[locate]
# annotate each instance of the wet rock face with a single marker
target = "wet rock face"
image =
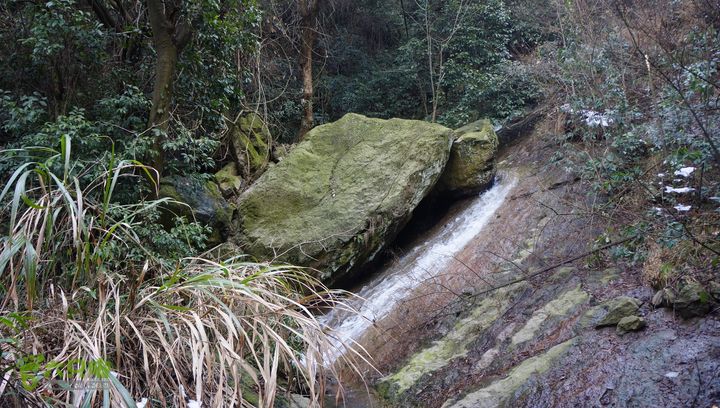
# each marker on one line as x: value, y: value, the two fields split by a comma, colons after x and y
x: 471, y: 167
x: 339, y: 196
x: 452, y: 346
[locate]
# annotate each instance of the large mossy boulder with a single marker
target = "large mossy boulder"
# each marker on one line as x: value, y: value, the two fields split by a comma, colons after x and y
x: 198, y: 200
x: 343, y: 193
x: 251, y: 141
x: 471, y: 167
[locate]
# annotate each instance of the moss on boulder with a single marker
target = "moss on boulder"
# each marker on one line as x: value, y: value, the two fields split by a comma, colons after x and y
x: 471, y: 167
x: 343, y: 193
x: 251, y: 140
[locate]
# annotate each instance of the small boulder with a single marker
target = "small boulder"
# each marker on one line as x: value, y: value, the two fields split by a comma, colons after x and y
x: 197, y: 199
x: 630, y: 323
x: 471, y: 167
x: 613, y: 310
x: 228, y: 180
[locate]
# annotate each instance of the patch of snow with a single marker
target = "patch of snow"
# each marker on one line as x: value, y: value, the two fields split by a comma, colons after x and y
x: 658, y: 210
x: 672, y: 374
x: 681, y: 190
x: 661, y: 174
x: 716, y: 199
x: 685, y: 171
x: 141, y: 403
x: 594, y: 119
x: 683, y: 208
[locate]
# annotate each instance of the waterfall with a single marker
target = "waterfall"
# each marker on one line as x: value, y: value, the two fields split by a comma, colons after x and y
x: 392, y: 285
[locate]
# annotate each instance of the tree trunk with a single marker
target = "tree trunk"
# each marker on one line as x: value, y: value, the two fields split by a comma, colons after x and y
x: 308, y: 13
x: 170, y: 35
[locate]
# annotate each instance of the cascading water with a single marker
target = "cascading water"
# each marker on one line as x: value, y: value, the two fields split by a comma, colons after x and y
x: 392, y: 285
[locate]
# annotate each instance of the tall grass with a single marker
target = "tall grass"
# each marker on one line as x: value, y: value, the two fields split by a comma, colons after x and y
x: 84, y: 326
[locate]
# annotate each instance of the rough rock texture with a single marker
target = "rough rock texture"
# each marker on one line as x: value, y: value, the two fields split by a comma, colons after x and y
x: 250, y: 139
x: 202, y: 201
x: 455, y: 344
x: 471, y: 167
x: 499, y: 392
x: 343, y: 193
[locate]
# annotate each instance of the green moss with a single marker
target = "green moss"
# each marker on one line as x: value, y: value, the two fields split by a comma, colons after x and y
x: 558, y: 307
x: 499, y: 392
x: 251, y: 138
x: 455, y: 344
x: 610, y: 312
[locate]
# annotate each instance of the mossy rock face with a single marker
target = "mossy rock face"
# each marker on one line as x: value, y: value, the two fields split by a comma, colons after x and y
x: 251, y: 139
x: 200, y: 200
x: 454, y: 345
x: 501, y: 392
x: 343, y: 193
x: 471, y: 167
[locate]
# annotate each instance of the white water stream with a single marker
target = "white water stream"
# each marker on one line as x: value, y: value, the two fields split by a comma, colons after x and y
x: 393, y: 284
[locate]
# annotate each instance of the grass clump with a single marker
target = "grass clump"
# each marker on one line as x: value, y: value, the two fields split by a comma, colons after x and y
x: 101, y: 307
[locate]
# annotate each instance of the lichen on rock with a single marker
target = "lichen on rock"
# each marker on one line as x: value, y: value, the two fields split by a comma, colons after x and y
x: 557, y: 307
x: 609, y: 313
x: 198, y: 200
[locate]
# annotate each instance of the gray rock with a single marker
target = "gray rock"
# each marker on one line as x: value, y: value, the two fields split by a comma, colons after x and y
x: 691, y: 300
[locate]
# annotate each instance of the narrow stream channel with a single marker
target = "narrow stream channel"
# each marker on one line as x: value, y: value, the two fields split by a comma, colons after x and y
x: 391, y: 285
